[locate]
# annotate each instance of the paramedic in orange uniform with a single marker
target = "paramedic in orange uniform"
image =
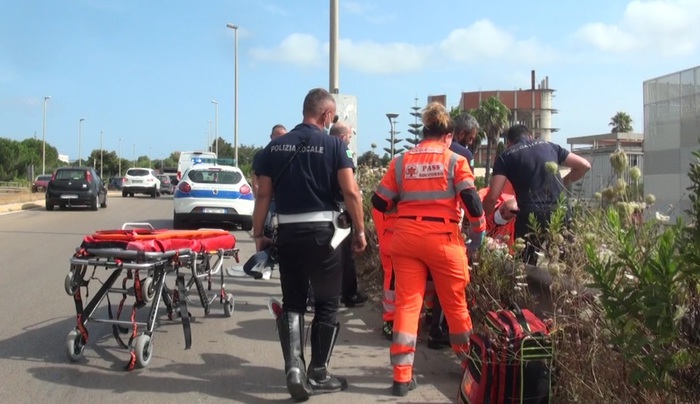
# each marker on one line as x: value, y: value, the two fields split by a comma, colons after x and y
x: 384, y: 224
x: 425, y: 184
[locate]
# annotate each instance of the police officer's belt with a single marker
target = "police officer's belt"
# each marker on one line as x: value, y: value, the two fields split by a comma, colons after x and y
x: 324, y: 216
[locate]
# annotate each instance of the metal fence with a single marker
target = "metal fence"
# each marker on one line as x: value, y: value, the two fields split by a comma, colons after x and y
x: 10, y: 187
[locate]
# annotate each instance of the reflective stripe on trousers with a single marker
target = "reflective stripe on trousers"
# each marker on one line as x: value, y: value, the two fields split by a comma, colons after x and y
x: 415, y: 248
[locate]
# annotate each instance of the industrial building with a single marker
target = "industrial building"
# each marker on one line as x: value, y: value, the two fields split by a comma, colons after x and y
x: 597, y: 149
x: 531, y: 107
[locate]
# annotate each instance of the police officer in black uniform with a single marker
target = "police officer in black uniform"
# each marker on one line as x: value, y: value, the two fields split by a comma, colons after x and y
x: 306, y: 169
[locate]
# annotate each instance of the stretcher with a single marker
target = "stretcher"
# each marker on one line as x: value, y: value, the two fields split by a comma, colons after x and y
x: 146, y: 257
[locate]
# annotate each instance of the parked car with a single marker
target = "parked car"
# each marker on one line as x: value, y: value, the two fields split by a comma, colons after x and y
x: 213, y: 194
x: 166, y: 187
x: 40, y: 183
x: 76, y: 186
x: 140, y: 181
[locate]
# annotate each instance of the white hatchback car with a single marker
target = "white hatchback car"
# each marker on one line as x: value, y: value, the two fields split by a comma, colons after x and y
x: 140, y: 181
x: 213, y: 194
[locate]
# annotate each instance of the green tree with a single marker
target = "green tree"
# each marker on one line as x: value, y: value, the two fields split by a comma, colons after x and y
x: 493, y: 117
x: 416, y: 127
x: 369, y: 159
x: 621, y: 122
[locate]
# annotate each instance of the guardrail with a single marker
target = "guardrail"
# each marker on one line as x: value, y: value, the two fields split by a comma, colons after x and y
x: 10, y: 187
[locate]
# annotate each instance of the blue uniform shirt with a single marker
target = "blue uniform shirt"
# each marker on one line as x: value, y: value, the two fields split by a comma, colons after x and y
x: 463, y: 151
x: 310, y: 182
x: 523, y: 163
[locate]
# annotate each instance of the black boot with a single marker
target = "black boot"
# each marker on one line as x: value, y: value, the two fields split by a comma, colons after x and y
x: 400, y: 389
x: 323, y: 337
x: 290, y: 326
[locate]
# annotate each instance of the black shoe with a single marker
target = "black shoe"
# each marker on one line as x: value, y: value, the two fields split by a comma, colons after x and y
x: 400, y: 389
x: 358, y: 299
x: 388, y: 330
x: 323, y: 338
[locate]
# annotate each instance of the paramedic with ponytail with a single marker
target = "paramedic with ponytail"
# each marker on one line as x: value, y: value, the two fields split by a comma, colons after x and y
x: 426, y: 184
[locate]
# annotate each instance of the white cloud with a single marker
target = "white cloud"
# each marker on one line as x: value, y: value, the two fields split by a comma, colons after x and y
x: 375, y: 58
x: 483, y: 40
x: 666, y: 26
x: 298, y: 49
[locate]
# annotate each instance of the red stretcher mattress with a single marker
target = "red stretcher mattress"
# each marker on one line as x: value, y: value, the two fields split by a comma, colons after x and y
x: 161, y: 240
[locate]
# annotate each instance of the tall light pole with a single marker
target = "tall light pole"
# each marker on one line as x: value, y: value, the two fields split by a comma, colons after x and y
x: 119, y: 157
x: 149, y: 156
x: 333, y: 48
x: 216, y: 126
x: 133, y: 152
x: 392, y: 122
x: 101, y: 165
x: 235, y: 92
x: 43, y: 147
x: 80, y: 140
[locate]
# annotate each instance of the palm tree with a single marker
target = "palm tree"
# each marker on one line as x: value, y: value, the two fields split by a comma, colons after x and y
x: 493, y: 117
x: 621, y: 122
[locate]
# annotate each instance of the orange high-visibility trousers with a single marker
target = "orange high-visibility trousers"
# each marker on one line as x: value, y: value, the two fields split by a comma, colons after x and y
x: 385, y: 230
x: 419, y: 247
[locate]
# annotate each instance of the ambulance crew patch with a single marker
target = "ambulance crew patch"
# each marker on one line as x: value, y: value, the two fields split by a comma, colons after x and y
x: 424, y: 171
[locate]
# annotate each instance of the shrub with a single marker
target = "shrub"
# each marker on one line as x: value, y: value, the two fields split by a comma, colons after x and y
x: 624, y: 294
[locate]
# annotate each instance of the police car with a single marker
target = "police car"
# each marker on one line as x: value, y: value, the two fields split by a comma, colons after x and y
x: 213, y: 194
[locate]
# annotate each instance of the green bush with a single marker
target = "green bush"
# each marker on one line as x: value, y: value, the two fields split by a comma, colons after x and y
x: 624, y: 296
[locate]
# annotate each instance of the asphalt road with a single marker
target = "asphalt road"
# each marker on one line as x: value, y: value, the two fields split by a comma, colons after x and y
x: 236, y: 359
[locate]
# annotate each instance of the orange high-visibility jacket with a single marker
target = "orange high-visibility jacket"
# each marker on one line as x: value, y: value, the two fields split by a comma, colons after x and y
x: 426, y: 181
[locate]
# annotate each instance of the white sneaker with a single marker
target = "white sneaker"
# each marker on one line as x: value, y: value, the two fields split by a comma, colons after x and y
x: 267, y: 273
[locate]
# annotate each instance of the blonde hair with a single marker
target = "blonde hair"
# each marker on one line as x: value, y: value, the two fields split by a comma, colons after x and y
x: 436, y: 120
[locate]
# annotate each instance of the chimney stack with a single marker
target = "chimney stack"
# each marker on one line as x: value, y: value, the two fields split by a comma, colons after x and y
x: 533, y: 79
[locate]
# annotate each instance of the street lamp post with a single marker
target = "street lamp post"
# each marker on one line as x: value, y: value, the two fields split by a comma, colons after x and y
x: 43, y: 147
x: 119, y: 157
x: 149, y: 156
x: 101, y: 159
x: 216, y: 126
x: 235, y: 92
x: 133, y: 154
x: 80, y: 140
x: 392, y: 122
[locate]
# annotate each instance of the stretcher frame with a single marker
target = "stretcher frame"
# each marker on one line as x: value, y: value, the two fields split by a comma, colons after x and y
x: 148, y: 271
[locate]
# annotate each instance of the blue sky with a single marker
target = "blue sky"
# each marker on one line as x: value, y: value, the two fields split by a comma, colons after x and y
x: 147, y: 71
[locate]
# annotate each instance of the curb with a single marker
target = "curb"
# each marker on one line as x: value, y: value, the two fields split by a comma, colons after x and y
x: 38, y: 204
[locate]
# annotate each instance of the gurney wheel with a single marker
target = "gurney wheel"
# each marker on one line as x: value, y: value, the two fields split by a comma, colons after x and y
x: 147, y: 290
x: 228, y: 305
x: 70, y: 285
x: 143, y: 349
x: 74, y: 345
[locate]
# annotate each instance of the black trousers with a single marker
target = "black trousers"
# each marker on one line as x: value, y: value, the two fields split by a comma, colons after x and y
x: 305, y: 257
x: 349, y: 269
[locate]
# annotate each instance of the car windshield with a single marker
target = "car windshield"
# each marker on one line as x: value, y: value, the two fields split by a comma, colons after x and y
x: 43, y: 178
x: 135, y: 172
x: 70, y: 175
x: 215, y: 177
x: 164, y: 179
